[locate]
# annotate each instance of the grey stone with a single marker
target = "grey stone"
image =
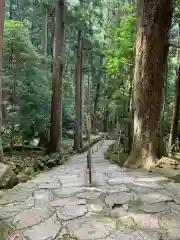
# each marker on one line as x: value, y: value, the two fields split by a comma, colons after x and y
x: 96, y: 205
x: 12, y: 209
x: 154, y: 197
x: 67, y: 201
x: 126, y: 220
x: 170, y: 220
x: 88, y: 195
x: 154, y: 208
x: 42, y: 195
x: 144, y: 185
x: 173, y: 187
x: 91, y: 228
x: 120, y: 198
x: 146, y: 221
x: 140, y: 220
x: 173, y: 234
x: 69, y: 212
x: 67, y: 192
x: 118, y: 212
x: 136, y: 235
x: 50, y: 185
x: 32, y: 217
x: 45, y: 230
x: 7, y: 177
x: 116, y: 181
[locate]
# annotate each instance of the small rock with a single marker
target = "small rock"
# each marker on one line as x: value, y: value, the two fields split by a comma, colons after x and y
x: 120, y: 198
x: 96, y: 205
x: 70, y: 212
x: 118, y: 212
x: 7, y: 177
x: 126, y: 207
x: 88, y: 195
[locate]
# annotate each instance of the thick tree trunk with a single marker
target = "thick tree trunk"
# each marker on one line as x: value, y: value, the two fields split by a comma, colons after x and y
x: 1, y: 71
x: 175, y: 118
x: 56, y: 105
x: 154, y: 21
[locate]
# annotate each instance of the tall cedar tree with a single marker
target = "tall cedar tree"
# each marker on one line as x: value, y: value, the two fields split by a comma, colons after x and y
x: 175, y: 117
x: 56, y: 105
x: 153, y: 25
x: 1, y: 70
x: 78, y: 131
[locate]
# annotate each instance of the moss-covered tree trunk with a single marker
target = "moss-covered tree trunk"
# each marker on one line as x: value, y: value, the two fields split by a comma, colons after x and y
x: 153, y: 25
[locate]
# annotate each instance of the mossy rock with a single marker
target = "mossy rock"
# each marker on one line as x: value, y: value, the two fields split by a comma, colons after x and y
x: 5, y: 230
x: 176, y: 178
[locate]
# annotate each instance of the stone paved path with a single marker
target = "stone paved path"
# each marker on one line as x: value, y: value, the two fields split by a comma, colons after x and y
x: 122, y: 205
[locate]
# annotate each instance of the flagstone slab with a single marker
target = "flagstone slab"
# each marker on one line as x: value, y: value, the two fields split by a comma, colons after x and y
x: 69, y: 212
x: 32, y: 217
x: 45, y: 230
x: 123, y: 205
x: 91, y: 228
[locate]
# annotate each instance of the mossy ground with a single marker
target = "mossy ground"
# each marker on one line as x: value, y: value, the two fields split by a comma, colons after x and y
x: 116, y: 155
x: 170, y: 168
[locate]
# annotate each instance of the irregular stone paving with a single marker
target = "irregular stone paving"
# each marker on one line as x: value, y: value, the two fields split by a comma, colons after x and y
x: 120, y: 205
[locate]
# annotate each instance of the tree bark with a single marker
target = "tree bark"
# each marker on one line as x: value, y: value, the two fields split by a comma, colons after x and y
x: 78, y: 140
x: 56, y: 105
x: 1, y: 71
x: 97, y: 96
x: 175, y: 117
x: 154, y: 21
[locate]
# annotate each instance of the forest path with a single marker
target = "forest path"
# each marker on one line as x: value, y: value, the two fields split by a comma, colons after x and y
x: 122, y: 205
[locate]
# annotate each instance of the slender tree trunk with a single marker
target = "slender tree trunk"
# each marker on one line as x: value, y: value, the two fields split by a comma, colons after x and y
x: 154, y: 21
x: 56, y: 105
x: 10, y: 9
x: 175, y: 117
x: 81, y: 97
x: 78, y: 141
x: 106, y: 120
x: 96, y: 100
x: 1, y: 71
x: 11, y: 68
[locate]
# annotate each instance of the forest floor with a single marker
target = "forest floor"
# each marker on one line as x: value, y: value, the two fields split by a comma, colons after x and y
x: 168, y: 167
x: 120, y: 204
